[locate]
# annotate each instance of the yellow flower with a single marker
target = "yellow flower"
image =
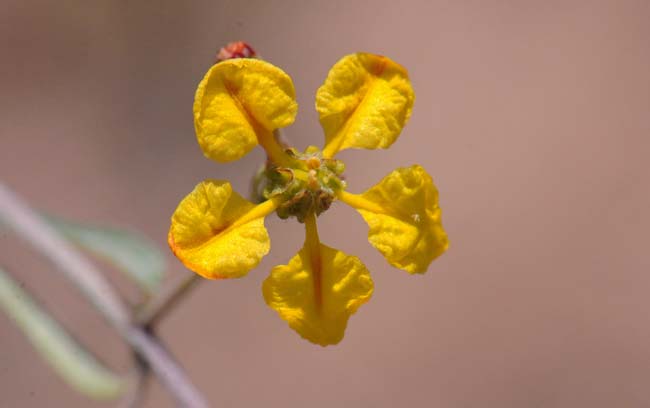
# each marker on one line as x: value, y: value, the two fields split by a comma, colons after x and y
x: 364, y: 103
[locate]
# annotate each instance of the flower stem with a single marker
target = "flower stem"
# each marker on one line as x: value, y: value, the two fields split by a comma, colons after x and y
x: 170, y: 296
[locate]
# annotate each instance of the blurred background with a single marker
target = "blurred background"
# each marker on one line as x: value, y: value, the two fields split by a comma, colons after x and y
x: 532, y: 117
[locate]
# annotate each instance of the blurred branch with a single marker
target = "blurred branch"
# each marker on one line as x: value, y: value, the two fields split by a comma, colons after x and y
x: 169, y: 297
x: 77, y: 269
x: 139, y: 381
x: 94, y: 286
x: 128, y: 251
x: 134, y: 396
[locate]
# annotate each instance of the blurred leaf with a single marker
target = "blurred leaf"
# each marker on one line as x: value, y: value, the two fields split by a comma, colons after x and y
x: 79, y: 368
x: 132, y: 253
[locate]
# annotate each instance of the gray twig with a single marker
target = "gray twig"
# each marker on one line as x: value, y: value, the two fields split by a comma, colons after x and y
x: 18, y: 215
x: 169, y: 296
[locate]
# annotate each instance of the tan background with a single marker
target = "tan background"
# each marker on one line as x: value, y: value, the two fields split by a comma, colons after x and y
x: 532, y: 118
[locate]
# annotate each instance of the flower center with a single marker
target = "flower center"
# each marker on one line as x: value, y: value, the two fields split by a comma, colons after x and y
x: 308, y: 185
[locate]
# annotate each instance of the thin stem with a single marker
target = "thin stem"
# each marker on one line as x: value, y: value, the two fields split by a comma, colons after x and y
x: 139, y: 382
x: 96, y: 288
x: 170, y: 374
x: 169, y: 297
x: 76, y: 268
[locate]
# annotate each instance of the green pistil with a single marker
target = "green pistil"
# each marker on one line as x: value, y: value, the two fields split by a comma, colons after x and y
x: 309, y: 186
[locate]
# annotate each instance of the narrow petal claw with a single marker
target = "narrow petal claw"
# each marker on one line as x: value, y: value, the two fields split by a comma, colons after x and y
x: 404, y: 218
x: 238, y: 102
x: 318, y: 291
x: 217, y: 233
x: 364, y: 103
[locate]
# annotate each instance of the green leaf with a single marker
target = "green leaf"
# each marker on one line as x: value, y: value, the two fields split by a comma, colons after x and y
x: 69, y: 359
x: 132, y: 253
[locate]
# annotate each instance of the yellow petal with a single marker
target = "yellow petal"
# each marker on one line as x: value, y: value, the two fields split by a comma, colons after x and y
x: 404, y: 218
x: 364, y: 103
x: 217, y: 233
x: 318, y: 291
x: 238, y: 102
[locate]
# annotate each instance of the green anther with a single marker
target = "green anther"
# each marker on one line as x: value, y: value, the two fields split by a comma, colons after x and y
x: 310, y: 186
